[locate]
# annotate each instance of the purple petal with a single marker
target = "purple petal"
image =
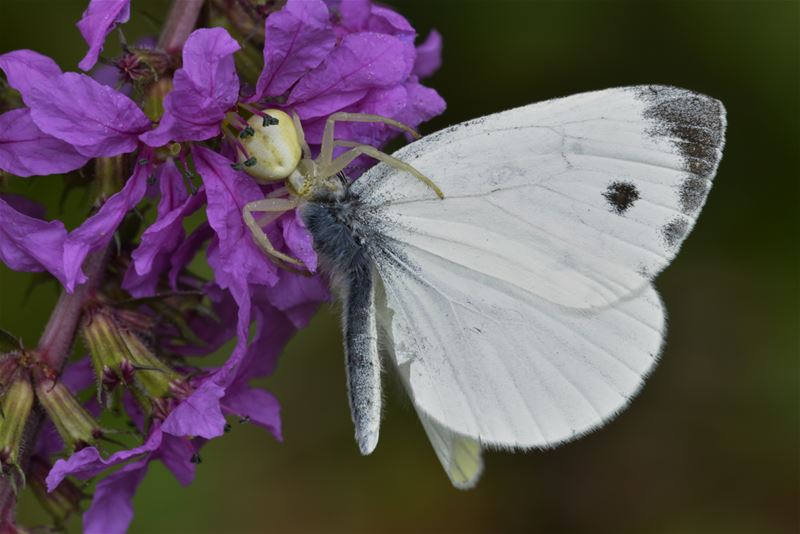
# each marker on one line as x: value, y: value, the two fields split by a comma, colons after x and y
x: 26, y: 69
x: 98, y: 229
x: 100, y: 19
x: 187, y: 250
x: 79, y: 375
x: 163, y: 237
x: 354, y: 14
x: 88, y: 462
x: 298, y: 38
x: 388, y: 102
x: 298, y: 297
x: 385, y: 20
x: 237, y: 262
x: 111, y: 511
x: 240, y: 291
x: 298, y: 240
x: 362, y: 61
x: 204, y: 89
x: 429, y: 55
x: 323, y: 105
x: 27, y: 151
x: 422, y: 105
x: 109, y: 75
x: 272, y: 331
x: 238, y: 259
x: 260, y: 406
x: 176, y: 454
x: 198, y: 415
x: 97, y: 120
x: 31, y: 245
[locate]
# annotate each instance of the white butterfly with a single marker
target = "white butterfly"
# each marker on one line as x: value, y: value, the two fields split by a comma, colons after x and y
x: 519, y: 310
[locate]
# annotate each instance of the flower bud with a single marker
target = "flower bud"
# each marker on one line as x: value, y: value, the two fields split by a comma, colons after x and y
x: 143, y: 66
x: 120, y: 356
x: 75, y: 425
x: 106, y: 349
x: 274, y: 145
x: 17, y: 404
x: 150, y: 372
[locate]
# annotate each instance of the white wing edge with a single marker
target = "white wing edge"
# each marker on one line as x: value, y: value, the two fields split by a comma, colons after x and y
x: 460, y: 456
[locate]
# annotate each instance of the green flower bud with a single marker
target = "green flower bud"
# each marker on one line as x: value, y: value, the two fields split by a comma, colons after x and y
x: 17, y: 404
x: 75, y: 425
x: 120, y: 355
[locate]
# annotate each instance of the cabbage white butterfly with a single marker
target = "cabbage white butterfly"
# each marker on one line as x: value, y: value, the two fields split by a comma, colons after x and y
x: 519, y: 310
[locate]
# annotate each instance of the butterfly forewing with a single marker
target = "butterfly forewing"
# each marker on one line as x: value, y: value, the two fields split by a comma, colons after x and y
x: 580, y: 200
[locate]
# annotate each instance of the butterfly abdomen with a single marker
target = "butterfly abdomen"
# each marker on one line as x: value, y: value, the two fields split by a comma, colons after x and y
x: 339, y: 240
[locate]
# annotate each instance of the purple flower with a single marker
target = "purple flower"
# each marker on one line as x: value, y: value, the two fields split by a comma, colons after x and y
x: 319, y: 58
x: 89, y: 118
x: 204, y: 89
x: 100, y: 19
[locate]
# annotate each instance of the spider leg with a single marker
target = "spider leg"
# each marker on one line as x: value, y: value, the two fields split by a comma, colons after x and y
x: 301, y: 136
x: 326, y: 148
x: 356, y: 150
x: 280, y: 192
x: 276, y: 206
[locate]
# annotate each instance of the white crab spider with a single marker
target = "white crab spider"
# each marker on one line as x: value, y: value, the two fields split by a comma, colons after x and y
x: 282, y: 153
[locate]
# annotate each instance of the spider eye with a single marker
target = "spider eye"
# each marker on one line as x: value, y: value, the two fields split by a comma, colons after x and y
x: 273, y: 144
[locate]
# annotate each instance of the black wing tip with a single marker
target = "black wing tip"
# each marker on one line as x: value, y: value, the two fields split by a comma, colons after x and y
x: 694, y: 122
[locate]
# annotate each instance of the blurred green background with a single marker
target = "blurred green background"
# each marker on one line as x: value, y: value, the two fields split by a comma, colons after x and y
x: 711, y: 443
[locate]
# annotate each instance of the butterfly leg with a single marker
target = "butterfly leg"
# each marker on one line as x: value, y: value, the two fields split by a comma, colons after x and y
x: 276, y: 207
x: 326, y: 148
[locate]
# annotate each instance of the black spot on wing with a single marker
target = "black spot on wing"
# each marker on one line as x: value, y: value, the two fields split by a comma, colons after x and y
x: 674, y: 231
x: 621, y: 196
x: 695, y: 124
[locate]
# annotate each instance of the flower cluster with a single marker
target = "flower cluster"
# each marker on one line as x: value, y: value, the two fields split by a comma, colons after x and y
x: 172, y: 137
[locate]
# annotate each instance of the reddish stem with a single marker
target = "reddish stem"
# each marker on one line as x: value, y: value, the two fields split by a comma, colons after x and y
x: 180, y: 23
